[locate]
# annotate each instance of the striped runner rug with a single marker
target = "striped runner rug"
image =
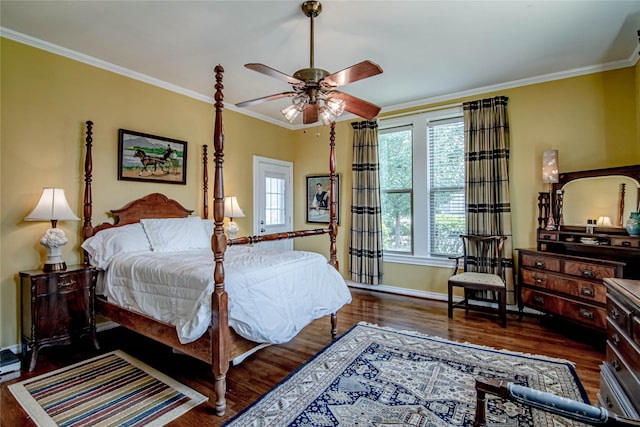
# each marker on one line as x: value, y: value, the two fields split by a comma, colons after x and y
x: 113, y: 389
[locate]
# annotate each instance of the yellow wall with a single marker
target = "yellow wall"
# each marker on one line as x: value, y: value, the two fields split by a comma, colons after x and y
x: 589, y: 119
x: 46, y: 99
x: 592, y: 120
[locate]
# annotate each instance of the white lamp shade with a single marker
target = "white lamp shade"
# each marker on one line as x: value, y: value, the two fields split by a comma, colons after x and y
x: 550, y: 166
x: 231, y: 208
x: 52, y: 205
x: 604, y: 221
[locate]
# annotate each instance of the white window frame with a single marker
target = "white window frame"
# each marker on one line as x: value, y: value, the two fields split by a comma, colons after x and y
x: 419, y: 123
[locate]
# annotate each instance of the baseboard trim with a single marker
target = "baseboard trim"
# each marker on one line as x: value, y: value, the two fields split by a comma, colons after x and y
x: 511, y: 308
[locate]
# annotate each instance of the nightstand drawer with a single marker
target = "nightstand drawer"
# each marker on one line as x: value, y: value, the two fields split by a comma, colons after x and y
x: 588, y: 290
x: 62, y: 282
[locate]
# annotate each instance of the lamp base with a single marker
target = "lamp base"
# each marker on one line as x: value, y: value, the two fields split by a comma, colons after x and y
x: 232, y: 229
x: 57, y: 266
x: 53, y: 241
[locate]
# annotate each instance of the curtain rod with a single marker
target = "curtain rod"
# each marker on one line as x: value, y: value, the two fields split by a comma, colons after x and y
x: 420, y: 111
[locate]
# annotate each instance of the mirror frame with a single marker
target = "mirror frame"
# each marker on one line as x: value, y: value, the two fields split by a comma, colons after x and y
x: 632, y: 171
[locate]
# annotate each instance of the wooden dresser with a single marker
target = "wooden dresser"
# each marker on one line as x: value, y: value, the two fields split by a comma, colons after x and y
x: 620, y: 372
x: 563, y: 275
x: 565, y: 285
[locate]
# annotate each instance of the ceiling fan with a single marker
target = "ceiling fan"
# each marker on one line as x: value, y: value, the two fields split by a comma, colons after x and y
x: 314, y: 89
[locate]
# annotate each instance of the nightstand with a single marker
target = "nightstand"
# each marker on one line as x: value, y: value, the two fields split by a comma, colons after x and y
x: 57, y: 308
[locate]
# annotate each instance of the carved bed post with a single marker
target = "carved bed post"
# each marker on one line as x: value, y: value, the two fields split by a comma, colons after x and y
x: 87, y: 228
x: 205, y: 182
x: 219, y: 300
x: 333, y: 226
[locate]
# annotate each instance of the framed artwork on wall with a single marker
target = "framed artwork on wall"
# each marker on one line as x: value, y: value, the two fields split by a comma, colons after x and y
x: 151, y: 158
x: 318, y: 187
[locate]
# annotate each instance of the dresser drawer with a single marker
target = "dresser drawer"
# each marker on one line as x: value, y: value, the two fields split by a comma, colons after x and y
x: 545, y: 235
x: 619, y: 340
x: 635, y: 330
x: 627, y: 379
x: 540, y: 261
x: 587, y: 290
x: 627, y: 242
x: 619, y: 314
x: 612, y: 397
x: 584, y: 313
x: 588, y: 270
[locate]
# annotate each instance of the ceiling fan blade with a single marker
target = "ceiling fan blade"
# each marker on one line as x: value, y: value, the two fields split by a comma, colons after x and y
x: 272, y: 72
x: 265, y: 99
x: 356, y: 106
x: 310, y: 114
x: 352, y: 74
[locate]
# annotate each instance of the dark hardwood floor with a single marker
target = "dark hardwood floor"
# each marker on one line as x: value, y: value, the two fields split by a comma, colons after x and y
x: 261, y: 371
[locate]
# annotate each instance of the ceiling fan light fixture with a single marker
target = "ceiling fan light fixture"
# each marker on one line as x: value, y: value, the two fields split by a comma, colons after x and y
x: 290, y: 113
x: 297, y: 106
x: 326, y: 115
x: 335, y: 105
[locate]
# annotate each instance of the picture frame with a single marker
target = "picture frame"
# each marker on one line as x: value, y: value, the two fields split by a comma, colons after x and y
x: 151, y: 158
x: 318, y: 207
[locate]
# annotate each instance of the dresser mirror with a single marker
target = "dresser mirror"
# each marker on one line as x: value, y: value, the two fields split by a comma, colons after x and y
x: 609, y: 194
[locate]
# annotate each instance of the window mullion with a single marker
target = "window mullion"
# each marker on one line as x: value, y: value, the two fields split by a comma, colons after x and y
x: 420, y: 188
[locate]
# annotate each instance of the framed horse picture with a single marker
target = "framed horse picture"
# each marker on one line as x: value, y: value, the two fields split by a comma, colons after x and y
x: 151, y: 158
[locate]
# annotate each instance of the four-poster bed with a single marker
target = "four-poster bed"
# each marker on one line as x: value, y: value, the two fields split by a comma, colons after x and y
x: 219, y: 344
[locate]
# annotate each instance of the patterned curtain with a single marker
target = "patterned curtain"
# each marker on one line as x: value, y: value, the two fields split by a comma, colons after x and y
x: 365, y: 248
x: 486, y: 134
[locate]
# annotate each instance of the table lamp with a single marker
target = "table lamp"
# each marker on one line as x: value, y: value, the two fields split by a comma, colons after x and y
x: 232, y: 210
x: 53, y: 206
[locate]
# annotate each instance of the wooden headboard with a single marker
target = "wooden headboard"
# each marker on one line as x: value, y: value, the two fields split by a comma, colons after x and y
x: 154, y: 205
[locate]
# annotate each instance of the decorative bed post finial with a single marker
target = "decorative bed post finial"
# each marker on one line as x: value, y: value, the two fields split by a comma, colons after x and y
x: 205, y: 182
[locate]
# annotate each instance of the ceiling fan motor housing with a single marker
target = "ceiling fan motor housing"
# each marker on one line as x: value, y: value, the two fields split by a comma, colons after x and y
x: 311, y: 8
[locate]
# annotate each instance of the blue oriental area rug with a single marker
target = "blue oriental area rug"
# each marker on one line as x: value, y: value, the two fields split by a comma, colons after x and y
x: 374, y: 376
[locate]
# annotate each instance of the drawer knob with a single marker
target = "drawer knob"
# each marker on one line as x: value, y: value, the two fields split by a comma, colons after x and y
x: 608, y: 401
x: 539, y: 264
x: 615, y: 364
x: 538, y: 280
x: 616, y: 339
x: 586, y: 314
x: 66, y: 284
x: 588, y: 273
x: 588, y: 292
x: 537, y: 299
x: 615, y: 314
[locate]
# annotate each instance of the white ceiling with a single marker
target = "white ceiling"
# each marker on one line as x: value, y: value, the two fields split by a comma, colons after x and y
x: 429, y: 50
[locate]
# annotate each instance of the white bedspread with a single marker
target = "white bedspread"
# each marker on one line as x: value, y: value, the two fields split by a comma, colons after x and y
x: 273, y: 294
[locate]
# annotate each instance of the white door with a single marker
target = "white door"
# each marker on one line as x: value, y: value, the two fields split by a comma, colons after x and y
x: 273, y: 199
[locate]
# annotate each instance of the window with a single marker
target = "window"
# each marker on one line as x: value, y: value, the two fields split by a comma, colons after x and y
x: 274, y: 200
x: 422, y: 186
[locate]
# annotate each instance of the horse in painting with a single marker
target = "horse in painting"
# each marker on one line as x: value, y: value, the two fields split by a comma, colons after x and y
x: 148, y: 161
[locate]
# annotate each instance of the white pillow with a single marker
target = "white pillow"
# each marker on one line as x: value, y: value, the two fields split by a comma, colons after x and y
x: 176, y: 234
x: 208, y: 225
x: 105, y: 244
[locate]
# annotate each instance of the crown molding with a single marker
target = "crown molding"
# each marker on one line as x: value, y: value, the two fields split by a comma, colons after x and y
x: 80, y: 57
